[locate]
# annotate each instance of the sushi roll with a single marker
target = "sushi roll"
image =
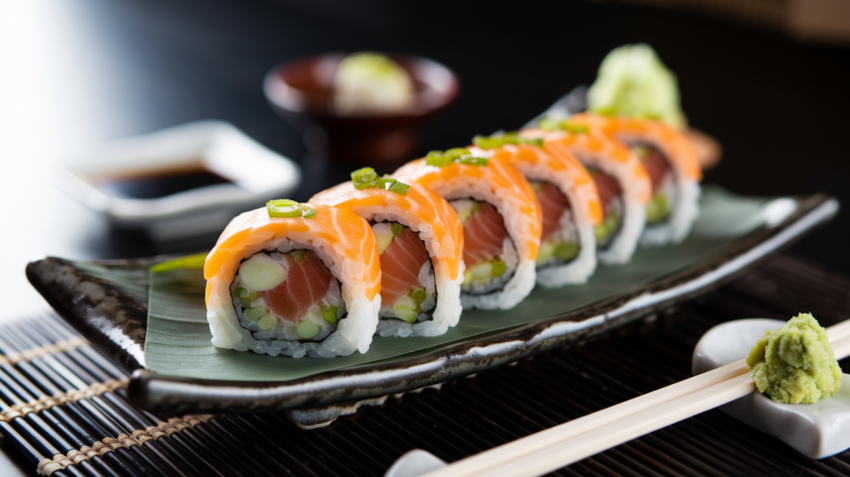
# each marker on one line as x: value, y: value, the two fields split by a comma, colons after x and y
x: 568, y: 200
x: 294, y: 279
x: 420, y: 242
x: 673, y: 167
x: 501, y: 222
x: 623, y: 185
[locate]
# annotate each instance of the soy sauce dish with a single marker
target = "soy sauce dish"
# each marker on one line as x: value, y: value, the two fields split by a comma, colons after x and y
x: 181, y: 182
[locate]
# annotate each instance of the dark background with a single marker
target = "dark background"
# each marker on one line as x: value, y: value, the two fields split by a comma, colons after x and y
x: 110, y: 69
x: 91, y: 70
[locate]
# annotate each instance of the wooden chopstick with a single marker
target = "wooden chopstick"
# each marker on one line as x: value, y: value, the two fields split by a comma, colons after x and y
x: 570, y: 442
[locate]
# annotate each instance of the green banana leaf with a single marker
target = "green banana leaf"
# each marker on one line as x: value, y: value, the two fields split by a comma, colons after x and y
x: 178, y: 337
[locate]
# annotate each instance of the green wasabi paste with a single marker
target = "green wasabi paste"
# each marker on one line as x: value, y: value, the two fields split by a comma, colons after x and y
x: 795, y: 364
x: 633, y: 82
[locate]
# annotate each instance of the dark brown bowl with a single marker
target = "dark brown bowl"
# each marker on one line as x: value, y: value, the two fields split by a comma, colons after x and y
x: 301, y: 92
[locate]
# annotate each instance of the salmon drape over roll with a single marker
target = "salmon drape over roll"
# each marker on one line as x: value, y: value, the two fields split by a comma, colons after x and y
x: 501, y: 222
x: 296, y: 280
x: 622, y: 182
x: 420, y: 241
x: 673, y: 167
x: 568, y: 200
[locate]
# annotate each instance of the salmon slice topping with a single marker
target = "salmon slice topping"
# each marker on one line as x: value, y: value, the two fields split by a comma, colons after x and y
x: 400, y: 266
x: 483, y: 235
x: 656, y: 166
x: 553, y: 205
x: 307, y: 283
x: 608, y: 190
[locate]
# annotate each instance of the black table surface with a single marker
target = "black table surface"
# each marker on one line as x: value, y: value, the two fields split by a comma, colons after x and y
x: 86, y: 71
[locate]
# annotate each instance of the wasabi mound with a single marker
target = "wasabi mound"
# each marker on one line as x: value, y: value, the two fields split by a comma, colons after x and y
x: 795, y: 364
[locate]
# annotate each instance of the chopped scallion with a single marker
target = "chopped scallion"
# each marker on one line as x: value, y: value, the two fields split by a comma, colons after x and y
x: 399, y: 188
x: 364, y: 175
x: 396, y: 228
x: 308, y: 212
x: 498, y: 268
x: 385, y: 183
x: 329, y: 314
x: 498, y: 140
x: 367, y: 178
x: 474, y: 161
x: 283, y: 208
x: 418, y: 295
x: 562, y: 125
x: 457, y: 155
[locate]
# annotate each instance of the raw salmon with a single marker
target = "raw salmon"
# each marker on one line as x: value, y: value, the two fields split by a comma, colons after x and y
x: 307, y: 282
x: 348, y: 234
x: 671, y: 143
x: 608, y: 189
x: 553, y: 204
x: 484, y: 235
x: 431, y: 231
x: 656, y: 166
x: 400, y: 266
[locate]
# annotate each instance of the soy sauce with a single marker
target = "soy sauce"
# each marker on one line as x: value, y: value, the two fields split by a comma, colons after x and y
x: 160, y: 184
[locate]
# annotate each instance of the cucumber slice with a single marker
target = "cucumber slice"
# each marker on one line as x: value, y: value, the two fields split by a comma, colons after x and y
x: 261, y: 273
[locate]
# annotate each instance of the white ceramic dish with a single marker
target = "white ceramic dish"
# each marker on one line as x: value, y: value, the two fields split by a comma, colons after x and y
x: 255, y: 174
x: 815, y: 430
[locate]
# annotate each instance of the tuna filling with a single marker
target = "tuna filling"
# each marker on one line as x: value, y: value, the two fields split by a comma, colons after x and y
x: 488, y: 252
x: 663, y: 185
x: 288, y: 296
x: 559, y: 243
x: 408, y: 290
x: 612, y: 208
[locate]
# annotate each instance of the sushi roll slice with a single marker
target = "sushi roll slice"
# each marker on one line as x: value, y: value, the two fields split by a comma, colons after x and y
x: 420, y: 241
x: 568, y: 200
x: 294, y: 279
x: 623, y: 185
x: 673, y: 167
x: 501, y: 222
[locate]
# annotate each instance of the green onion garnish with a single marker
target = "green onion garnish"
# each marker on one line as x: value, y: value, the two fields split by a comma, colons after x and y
x: 562, y: 125
x: 367, y: 178
x: 498, y: 140
x: 285, y: 208
x: 189, y: 262
x: 298, y: 254
x: 308, y: 212
x: 329, y: 314
x: 396, y: 228
x: 418, y: 295
x: 399, y: 188
x: 454, y: 156
x: 473, y: 161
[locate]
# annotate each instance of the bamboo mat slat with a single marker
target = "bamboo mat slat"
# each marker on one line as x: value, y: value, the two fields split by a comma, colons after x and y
x: 65, y: 406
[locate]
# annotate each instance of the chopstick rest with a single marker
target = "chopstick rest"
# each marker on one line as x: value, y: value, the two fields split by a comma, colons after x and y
x: 815, y: 430
x: 572, y: 441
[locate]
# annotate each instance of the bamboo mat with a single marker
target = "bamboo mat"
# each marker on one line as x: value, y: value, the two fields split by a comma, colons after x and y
x: 65, y: 406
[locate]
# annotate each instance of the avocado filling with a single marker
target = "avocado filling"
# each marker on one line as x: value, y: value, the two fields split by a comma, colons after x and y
x: 559, y: 242
x: 287, y: 296
x: 408, y: 285
x: 612, y: 208
x: 489, y: 253
x: 663, y: 184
